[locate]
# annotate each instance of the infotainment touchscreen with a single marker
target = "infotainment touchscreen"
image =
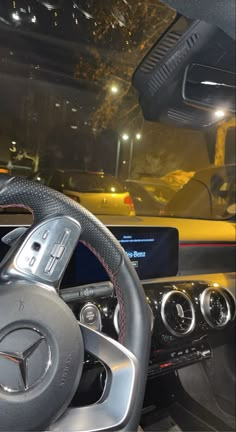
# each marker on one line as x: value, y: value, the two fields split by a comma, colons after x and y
x: 153, y: 252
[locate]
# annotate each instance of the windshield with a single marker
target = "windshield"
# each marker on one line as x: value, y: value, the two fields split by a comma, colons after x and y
x: 70, y: 118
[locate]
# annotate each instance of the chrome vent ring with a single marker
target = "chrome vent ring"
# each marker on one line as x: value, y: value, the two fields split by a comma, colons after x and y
x: 178, y: 314
x: 215, y: 307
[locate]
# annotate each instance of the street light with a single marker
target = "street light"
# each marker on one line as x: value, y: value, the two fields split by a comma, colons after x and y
x: 219, y: 113
x: 114, y: 89
x: 125, y: 137
x: 138, y: 137
x: 15, y: 16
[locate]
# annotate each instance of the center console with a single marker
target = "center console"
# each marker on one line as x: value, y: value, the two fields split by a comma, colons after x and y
x: 184, y: 318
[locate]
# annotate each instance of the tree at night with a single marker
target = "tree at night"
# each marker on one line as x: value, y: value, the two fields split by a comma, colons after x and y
x: 130, y: 28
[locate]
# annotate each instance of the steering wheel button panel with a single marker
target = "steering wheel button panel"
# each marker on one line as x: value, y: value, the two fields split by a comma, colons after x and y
x: 57, y: 251
x: 47, y: 264
x: 65, y: 237
x: 45, y: 235
x: 32, y: 261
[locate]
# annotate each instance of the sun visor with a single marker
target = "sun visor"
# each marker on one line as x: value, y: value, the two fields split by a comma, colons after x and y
x: 217, y: 12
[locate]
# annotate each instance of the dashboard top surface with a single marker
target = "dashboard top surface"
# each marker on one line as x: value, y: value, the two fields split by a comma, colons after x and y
x: 189, y: 229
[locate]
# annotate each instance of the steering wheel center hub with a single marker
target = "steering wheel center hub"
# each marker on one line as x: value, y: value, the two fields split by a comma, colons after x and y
x: 41, y: 356
x: 25, y: 358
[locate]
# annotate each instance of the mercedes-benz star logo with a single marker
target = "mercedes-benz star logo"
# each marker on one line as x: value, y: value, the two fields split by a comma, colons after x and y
x: 25, y: 368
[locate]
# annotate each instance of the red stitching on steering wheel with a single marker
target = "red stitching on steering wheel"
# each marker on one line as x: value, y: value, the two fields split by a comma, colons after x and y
x: 18, y: 206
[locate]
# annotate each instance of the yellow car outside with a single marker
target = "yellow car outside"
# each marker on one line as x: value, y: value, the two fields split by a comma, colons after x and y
x: 100, y: 193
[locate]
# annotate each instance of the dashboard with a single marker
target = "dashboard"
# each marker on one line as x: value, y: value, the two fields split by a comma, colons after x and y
x: 189, y: 314
x: 153, y: 252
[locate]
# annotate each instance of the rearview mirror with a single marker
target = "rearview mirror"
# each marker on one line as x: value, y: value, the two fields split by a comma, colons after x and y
x: 210, y: 88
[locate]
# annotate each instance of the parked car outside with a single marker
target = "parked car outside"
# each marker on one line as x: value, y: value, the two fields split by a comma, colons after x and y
x: 209, y: 194
x: 100, y: 193
x: 178, y: 178
x: 159, y: 189
x: 145, y: 203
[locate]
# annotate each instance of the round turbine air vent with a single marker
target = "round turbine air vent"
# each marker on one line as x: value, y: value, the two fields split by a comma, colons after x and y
x: 177, y: 313
x: 215, y: 307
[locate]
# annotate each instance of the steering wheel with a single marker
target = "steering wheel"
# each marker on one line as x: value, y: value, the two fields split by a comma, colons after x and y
x: 42, y: 344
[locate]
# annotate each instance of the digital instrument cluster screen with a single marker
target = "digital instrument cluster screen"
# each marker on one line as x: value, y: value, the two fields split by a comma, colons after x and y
x: 153, y: 251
